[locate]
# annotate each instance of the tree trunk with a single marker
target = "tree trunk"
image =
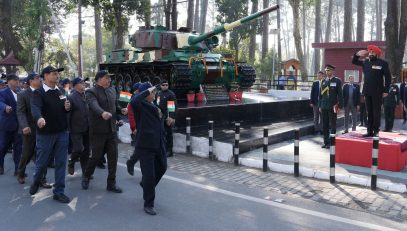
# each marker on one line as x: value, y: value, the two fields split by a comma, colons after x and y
x: 329, y: 22
x: 265, y: 37
x: 190, y: 17
x: 347, y: 23
x: 279, y: 31
x: 147, y: 13
x: 379, y: 27
x: 252, y: 47
x: 396, y: 35
x: 360, y: 34
x: 202, y: 23
x: 317, y: 35
x: 196, y: 16
x: 167, y: 12
x: 120, y: 29
x: 174, y: 15
x: 98, y: 36
x: 10, y: 40
x: 304, y: 27
x: 295, y: 5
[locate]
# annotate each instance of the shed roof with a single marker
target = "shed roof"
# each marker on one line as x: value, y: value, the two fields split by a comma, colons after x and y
x: 341, y: 45
x: 10, y: 60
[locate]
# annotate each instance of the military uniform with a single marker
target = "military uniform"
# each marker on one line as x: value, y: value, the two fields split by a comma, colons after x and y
x: 390, y: 102
x: 330, y: 97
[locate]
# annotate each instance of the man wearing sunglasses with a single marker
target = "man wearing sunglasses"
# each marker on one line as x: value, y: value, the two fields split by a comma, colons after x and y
x: 166, y: 101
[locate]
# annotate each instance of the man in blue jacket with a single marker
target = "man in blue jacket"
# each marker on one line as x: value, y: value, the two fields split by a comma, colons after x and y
x: 9, y: 123
x: 150, y: 143
x: 316, y: 88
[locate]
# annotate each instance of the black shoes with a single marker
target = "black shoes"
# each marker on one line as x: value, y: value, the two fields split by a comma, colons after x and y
x: 369, y: 134
x: 130, y: 167
x: 325, y: 146
x: 34, y: 188
x: 85, y: 183
x: 44, y: 184
x: 71, y: 168
x: 1, y: 171
x: 61, y: 198
x: 344, y: 132
x: 114, y: 189
x: 150, y: 210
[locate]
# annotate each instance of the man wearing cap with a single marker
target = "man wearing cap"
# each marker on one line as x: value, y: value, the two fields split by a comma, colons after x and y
x: 50, y: 108
x: 27, y: 127
x: 150, y: 143
x: 9, y: 123
x: 167, y: 101
x: 376, y: 85
x: 314, y: 98
x: 78, y: 123
x: 330, y: 101
x: 103, y: 104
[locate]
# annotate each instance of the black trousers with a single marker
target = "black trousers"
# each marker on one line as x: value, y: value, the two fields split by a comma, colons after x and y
x: 389, y: 117
x: 373, y: 107
x: 153, y: 166
x: 328, y: 124
x: 27, y: 154
x: 363, y: 116
x: 168, y: 138
x: 134, y: 157
x: 80, y: 149
x: 101, y: 144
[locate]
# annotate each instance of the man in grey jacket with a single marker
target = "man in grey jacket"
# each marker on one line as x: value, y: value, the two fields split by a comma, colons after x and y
x: 103, y: 130
x: 79, y: 126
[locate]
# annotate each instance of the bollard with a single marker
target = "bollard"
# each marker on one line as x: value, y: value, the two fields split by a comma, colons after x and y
x: 188, y: 135
x: 332, y: 158
x: 236, y: 147
x: 265, y: 148
x: 211, y: 157
x: 296, y: 153
x: 375, y: 155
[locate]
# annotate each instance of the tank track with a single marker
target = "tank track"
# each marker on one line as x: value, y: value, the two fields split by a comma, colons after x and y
x: 247, y: 75
x: 181, y: 79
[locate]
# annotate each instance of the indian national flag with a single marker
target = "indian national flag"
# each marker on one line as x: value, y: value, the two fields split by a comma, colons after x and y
x: 171, y: 106
x: 125, y: 96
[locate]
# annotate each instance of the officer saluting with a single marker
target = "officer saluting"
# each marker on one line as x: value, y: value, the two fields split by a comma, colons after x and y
x: 330, y: 101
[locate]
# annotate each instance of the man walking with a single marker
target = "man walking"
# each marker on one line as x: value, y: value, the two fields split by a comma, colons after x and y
x: 79, y: 126
x: 103, y: 104
x: 49, y: 108
x: 27, y: 127
x: 351, y: 95
x: 314, y: 98
x: 330, y: 102
x: 376, y: 85
x: 9, y: 123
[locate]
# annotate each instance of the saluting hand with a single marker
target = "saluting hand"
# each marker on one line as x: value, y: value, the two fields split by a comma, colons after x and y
x: 41, y: 122
x: 362, y: 53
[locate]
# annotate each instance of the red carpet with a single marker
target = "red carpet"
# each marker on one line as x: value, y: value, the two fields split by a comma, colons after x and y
x: 354, y: 149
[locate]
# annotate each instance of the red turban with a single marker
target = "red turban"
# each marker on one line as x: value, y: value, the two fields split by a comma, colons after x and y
x: 375, y: 49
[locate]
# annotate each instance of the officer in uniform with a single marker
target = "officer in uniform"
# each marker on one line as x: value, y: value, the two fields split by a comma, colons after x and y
x: 376, y: 72
x: 390, y: 102
x: 330, y: 101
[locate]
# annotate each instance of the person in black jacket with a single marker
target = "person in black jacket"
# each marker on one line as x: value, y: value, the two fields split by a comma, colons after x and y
x: 167, y: 102
x: 389, y: 103
x: 314, y: 98
x: 49, y: 108
x: 150, y: 143
x: 79, y: 126
x: 376, y: 85
x: 103, y: 129
x: 351, y: 96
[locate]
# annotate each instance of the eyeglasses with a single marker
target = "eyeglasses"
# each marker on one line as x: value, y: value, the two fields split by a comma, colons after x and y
x: 164, y: 85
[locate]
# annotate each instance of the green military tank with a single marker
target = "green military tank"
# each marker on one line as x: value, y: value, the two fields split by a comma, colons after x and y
x: 182, y: 57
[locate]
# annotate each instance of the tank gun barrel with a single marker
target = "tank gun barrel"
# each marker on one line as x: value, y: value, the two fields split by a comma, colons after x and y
x: 230, y: 26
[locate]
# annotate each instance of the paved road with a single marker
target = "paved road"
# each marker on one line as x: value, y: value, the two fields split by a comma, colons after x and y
x: 185, y: 201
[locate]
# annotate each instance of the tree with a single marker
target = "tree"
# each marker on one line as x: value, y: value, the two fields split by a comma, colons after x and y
x: 190, y: 17
x: 265, y: 34
x: 167, y: 13
x: 379, y: 28
x: 347, y: 24
x: 202, y: 22
x: 295, y: 5
x: 396, y: 35
x: 196, y: 16
x: 317, y: 35
x: 360, y: 33
x: 329, y: 21
x: 254, y: 27
x: 174, y: 15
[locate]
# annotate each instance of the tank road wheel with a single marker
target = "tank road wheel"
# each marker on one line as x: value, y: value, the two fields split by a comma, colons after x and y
x: 128, y: 83
x: 247, y: 75
x: 119, y: 83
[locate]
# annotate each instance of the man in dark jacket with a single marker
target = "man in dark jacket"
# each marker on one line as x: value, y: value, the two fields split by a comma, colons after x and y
x: 79, y: 126
x: 103, y: 104
x: 167, y: 102
x: 389, y: 103
x: 9, y: 135
x: 150, y: 143
x: 27, y: 127
x: 376, y: 85
x: 314, y: 98
x: 49, y: 108
x: 351, y: 96
x: 330, y: 102
x: 403, y: 99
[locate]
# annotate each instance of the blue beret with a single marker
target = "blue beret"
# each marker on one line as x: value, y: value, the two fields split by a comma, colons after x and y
x: 144, y: 86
